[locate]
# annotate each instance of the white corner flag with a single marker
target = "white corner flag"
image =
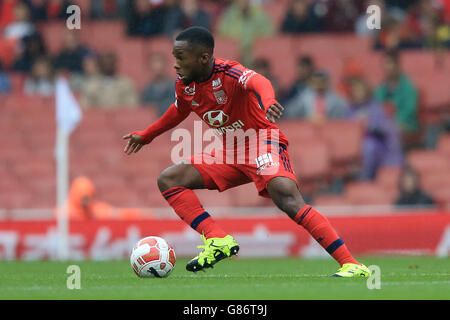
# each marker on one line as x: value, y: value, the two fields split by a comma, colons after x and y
x: 68, y: 114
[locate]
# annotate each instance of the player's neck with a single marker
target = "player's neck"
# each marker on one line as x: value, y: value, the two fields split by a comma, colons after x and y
x: 208, y: 72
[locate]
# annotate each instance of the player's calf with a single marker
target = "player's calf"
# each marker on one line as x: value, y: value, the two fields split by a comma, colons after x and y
x: 286, y: 196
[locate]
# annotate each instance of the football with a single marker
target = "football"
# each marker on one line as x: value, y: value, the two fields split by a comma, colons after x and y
x: 152, y: 257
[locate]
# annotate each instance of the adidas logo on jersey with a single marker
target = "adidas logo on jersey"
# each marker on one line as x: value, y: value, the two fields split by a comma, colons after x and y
x: 216, y: 84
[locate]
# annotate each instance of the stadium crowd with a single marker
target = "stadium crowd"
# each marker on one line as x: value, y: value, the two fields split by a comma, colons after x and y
x: 389, y: 109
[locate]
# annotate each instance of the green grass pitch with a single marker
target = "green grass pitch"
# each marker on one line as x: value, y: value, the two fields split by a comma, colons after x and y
x: 292, y: 278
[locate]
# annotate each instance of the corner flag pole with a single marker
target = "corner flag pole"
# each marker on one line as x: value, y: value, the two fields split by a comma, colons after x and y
x: 68, y: 114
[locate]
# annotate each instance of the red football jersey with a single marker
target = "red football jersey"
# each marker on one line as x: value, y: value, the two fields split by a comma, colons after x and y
x: 234, y: 97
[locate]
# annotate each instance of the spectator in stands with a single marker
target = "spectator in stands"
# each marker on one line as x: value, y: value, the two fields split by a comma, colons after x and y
x: 381, y: 146
x: 262, y: 66
x: 33, y: 48
x: 398, y: 95
x: 22, y: 26
x: 301, y: 17
x: 245, y: 22
x: 72, y: 53
x: 90, y: 73
x: 82, y: 204
x: 109, y: 89
x: 160, y: 90
x: 410, y: 192
x: 173, y: 18
x: 44, y: 10
x: 305, y: 69
x: 108, y: 9
x: 194, y: 15
x: 5, y: 83
x: 317, y: 102
x: 352, y: 70
x: 144, y: 18
x: 41, y: 80
x: 341, y: 15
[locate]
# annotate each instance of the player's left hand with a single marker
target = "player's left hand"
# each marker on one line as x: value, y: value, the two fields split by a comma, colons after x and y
x: 274, y: 112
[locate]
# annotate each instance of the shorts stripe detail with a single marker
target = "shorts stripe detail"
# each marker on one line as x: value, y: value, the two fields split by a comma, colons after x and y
x: 199, y: 219
x: 336, y: 244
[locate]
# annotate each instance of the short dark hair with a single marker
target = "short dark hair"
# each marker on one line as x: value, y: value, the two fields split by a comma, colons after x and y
x: 197, y: 36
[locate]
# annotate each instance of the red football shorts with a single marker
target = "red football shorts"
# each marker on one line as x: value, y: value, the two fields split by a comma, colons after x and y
x: 259, y: 167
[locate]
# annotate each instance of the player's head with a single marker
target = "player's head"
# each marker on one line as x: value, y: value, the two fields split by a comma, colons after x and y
x: 193, y: 51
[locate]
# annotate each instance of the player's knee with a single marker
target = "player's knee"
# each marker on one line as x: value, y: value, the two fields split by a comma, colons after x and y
x: 169, y: 178
x: 179, y: 175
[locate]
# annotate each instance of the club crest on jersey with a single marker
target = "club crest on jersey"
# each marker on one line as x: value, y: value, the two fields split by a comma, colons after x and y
x: 190, y: 91
x: 221, y: 97
x: 216, y: 84
x: 216, y: 118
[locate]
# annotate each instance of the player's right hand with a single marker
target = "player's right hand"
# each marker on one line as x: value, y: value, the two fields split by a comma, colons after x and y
x: 134, y: 143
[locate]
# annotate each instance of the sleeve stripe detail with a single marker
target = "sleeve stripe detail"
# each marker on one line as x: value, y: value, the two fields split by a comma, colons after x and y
x: 231, y: 75
x: 237, y: 70
x: 235, y: 73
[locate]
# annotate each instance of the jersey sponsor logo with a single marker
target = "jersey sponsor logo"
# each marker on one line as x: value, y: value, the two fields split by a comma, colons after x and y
x: 190, y: 91
x: 230, y: 128
x: 221, y: 97
x: 246, y: 75
x: 216, y: 84
x: 216, y: 118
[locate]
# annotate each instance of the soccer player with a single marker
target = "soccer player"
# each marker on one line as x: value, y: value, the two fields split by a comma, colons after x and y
x: 232, y: 98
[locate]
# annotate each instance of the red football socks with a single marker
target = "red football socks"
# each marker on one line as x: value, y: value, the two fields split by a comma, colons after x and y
x: 188, y: 207
x: 321, y: 230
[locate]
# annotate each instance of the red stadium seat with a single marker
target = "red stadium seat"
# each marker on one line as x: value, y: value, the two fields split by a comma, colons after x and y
x: 330, y: 200
x: 103, y: 36
x: 344, y: 139
x: 132, y: 50
x: 366, y: 193
x: 432, y: 182
x: 282, y: 60
x: 297, y: 131
x: 311, y: 163
x: 442, y: 196
x: 212, y: 198
x: 247, y: 196
x: 311, y: 160
x: 227, y: 48
x: 426, y: 162
x: 388, y: 178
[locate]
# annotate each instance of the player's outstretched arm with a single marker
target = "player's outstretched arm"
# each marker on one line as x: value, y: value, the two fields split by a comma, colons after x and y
x: 170, y: 119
